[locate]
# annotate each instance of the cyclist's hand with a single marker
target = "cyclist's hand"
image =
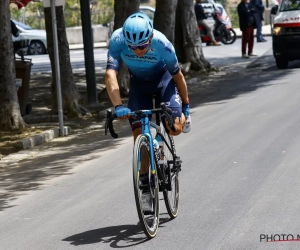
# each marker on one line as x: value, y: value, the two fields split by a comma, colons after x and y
x: 186, y: 110
x: 122, y: 111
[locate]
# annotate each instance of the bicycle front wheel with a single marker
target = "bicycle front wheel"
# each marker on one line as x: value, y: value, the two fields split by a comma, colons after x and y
x: 149, y: 220
x: 171, y: 197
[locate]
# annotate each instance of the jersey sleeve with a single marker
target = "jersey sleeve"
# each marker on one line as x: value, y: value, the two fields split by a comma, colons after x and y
x: 167, y: 53
x: 114, y: 51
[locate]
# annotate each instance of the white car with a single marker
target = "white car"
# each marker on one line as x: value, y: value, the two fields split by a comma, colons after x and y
x: 37, y: 39
x: 286, y: 32
x: 149, y: 11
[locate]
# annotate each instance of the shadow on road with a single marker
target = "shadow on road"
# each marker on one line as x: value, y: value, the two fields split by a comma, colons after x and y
x: 117, y: 236
x: 55, y: 159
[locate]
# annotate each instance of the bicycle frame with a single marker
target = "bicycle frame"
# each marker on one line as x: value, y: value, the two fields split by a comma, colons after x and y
x: 146, y: 125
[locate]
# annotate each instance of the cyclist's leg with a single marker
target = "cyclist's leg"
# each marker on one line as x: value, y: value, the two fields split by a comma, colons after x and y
x: 170, y: 96
x: 138, y: 100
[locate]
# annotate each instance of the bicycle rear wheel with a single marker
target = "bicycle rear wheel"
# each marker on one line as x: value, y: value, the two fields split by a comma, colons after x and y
x: 171, y: 197
x: 150, y: 221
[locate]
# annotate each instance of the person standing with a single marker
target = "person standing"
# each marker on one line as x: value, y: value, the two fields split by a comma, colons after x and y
x: 260, y: 8
x: 247, y: 21
x: 201, y: 19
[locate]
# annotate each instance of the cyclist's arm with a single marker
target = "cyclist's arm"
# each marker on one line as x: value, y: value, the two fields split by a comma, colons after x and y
x: 170, y: 58
x: 181, y: 86
x: 112, y: 87
x: 112, y: 68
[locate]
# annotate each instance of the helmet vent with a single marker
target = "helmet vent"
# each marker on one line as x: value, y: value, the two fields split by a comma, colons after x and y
x: 141, y: 35
x: 140, y: 16
x: 128, y: 35
x: 134, y: 36
x: 150, y: 24
x: 147, y: 33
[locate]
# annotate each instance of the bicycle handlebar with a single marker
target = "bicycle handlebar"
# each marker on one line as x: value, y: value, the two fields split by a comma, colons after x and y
x: 110, y: 117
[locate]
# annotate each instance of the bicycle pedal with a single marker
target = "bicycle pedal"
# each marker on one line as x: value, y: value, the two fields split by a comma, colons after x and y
x: 178, y: 161
x: 176, y: 168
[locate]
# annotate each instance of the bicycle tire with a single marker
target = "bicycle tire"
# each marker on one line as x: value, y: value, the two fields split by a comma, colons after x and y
x: 149, y: 226
x: 171, y: 198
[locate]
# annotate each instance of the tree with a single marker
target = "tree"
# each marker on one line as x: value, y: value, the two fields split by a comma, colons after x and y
x: 10, y: 116
x: 123, y: 9
x: 69, y: 90
x: 188, y: 44
x: 164, y: 18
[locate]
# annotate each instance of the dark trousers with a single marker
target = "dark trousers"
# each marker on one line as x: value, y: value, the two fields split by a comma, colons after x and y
x: 248, y: 38
x: 259, y: 35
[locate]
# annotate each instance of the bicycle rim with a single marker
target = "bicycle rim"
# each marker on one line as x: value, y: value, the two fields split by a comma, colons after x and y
x: 171, y: 197
x: 149, y: 223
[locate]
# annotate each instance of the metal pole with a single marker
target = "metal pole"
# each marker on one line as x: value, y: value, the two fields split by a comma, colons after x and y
x: 271, y: 23
x: 57, y: 69
x: 88, y: 51
x: 23, y: 14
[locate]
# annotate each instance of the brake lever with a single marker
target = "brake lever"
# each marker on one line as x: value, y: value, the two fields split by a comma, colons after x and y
x: 168, y: 112
x: 109, y: 124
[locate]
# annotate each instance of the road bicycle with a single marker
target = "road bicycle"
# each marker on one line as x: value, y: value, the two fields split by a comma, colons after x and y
x: 163, y: 169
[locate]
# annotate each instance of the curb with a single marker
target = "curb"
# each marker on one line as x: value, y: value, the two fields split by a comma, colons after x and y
x: 41, y: 138
x: 26, y: 145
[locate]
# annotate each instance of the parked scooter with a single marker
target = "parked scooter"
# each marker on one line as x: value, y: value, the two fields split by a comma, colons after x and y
x: 222, y: 31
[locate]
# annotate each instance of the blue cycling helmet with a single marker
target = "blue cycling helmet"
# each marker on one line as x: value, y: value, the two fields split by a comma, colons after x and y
x: 137, y: 29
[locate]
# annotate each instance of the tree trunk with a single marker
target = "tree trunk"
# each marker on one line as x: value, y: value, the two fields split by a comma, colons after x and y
x: 187, y: 39
x: 69, y: 90
x: 164, y: 18
x: 10, y: 116
x: 123, y: 9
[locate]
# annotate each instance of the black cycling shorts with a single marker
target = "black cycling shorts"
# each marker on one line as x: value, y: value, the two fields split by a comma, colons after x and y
x: 141, y: 94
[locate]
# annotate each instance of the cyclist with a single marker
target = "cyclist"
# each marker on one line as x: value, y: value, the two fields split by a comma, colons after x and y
x: 154, y: 70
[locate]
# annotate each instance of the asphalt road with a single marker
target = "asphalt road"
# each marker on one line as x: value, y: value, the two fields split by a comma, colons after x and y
x: 240, y: 178
x: 219, y: 56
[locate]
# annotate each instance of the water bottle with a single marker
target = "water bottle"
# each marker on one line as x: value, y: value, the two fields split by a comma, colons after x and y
x: 155, y: 144
x: 161, y: 146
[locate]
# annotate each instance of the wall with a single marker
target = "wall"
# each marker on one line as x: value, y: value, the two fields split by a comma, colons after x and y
x: 74, y: 34
x: 267, y: 16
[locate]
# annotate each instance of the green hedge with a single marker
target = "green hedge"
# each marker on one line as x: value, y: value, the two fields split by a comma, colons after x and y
x: 101, y: 12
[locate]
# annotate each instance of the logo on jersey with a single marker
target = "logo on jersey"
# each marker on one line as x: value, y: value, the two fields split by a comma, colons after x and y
x: 160, y: 41
x: 168, y: 47
x: 177, y: 99
x: 150, y: 58
x: 117, y: 39
x: 110, y: 59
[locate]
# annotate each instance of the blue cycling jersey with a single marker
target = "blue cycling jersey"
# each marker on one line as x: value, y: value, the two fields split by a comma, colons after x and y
x: 160, y: 55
